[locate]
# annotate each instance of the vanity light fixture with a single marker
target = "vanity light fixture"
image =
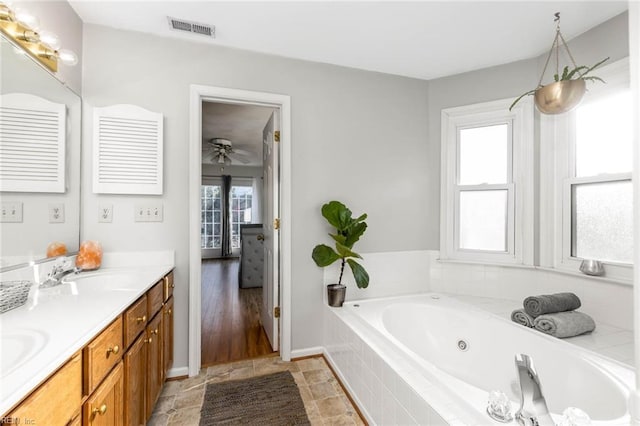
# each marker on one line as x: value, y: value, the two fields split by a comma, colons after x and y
x: 23, y: 29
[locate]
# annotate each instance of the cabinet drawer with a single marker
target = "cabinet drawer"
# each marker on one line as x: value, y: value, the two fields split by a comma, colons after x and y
x: 57, y: 401
x: 102, y: 354
x: 135, y: 320
x: 168, y: 286
x: 155, y: 299
x: 105, y: 406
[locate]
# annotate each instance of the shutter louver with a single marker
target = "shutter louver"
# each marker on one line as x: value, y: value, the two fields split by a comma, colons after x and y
x: 127, y: 150
x: 32, y: 144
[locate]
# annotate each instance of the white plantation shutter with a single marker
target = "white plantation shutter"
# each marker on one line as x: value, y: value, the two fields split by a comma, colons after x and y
x: 127, y: 150
x: 32, y: 144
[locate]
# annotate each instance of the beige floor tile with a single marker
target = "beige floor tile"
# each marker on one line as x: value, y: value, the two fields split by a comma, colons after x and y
x: 331, y: 407
x: 344, y: 420
x: 322, y: 390
x: 192, y: 398
x: 315, y: 376
x: 164, y: 404
x: 171, y: 388
x: 186, y: 417
x: 160, y: 419
x: 298, y: 377
x: 242, y: 373
x: 310, y: 364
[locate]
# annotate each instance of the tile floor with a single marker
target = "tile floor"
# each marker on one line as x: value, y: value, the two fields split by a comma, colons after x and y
x: 324, y: 399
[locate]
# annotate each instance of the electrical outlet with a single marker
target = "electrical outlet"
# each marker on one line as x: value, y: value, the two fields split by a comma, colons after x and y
x: 151, y: 212
x: 105, y: 213
x: 11, y: 211
x: 56, y: 213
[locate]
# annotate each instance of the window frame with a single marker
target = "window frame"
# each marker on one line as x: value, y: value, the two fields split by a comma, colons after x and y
x: 558, y: 175
x: 520, y: 194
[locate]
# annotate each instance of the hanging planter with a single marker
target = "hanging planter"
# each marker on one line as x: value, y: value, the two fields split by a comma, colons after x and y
x: 566, y: 92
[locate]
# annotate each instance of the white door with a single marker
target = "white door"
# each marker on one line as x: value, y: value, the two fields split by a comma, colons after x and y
x: 271, y: 214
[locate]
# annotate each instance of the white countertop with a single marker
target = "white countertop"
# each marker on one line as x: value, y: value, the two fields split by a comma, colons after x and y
x: 40, y: 336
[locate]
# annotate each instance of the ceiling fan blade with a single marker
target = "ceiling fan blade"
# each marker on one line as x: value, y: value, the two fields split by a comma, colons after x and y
x: 242, y: 151
x: 238, y: 157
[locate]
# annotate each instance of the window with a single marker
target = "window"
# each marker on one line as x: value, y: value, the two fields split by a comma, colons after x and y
x: 241, y: 197
x: 210, y: 228
x: 590, y: 198
x: 487, y: 183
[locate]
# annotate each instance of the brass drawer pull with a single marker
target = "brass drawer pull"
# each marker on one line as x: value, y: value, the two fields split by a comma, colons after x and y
x: 149, y: 340
x: 260, y: 237
x: 142, y: 318
x: 115, y: 350
x: 154, y: 331
x: 168, y: 311
x: 101, y: 410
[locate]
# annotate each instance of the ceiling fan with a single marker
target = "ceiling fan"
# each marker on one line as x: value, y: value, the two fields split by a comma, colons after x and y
x: 221, y: 152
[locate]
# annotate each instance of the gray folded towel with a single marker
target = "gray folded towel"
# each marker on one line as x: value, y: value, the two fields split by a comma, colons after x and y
x: 564, y: 324
x: 550, y: 303
x: 522, y: 318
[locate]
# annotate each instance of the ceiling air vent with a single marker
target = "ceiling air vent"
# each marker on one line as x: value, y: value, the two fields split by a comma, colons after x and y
x: 192, y: 27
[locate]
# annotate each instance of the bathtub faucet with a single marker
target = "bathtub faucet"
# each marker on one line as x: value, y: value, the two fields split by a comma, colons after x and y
x: 533, y: 408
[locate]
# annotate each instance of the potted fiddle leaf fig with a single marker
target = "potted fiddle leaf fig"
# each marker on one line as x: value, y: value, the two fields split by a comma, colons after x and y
x: 347, y: 232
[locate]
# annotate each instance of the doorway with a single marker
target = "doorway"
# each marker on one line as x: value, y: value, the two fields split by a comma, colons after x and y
x: 236, y: 201
x: 282, y: 261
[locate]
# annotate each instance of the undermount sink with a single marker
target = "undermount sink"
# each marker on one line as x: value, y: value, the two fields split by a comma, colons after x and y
x: 18, y: 347
x: 103, y: 281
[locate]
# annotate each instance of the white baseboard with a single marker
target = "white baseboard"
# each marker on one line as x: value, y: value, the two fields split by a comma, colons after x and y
x: 178, y: 372
x: 301, y: 353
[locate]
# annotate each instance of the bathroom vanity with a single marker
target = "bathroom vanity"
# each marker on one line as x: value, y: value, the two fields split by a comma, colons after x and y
x: 94, y: 350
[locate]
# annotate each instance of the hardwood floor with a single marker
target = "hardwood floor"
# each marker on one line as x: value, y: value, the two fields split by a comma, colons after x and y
x: 231, y: 327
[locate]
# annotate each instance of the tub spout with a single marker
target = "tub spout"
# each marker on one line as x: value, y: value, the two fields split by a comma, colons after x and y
x: 533, y: 408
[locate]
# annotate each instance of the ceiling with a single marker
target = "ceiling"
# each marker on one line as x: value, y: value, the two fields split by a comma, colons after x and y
x: 419, y: 39
x: 241, y: 124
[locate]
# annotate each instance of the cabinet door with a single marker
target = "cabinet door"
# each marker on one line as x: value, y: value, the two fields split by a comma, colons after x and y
x: 135, y: 383
x: 56, y: 402
x: 167, y: 341
x: 154, y: 361
x: 105, y: 406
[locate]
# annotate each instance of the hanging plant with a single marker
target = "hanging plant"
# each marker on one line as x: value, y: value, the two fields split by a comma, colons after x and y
x: 564, y: 91
x: 568, y: 87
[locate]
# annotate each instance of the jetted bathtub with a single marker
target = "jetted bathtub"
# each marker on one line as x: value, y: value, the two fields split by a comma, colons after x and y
x: 466, y: 352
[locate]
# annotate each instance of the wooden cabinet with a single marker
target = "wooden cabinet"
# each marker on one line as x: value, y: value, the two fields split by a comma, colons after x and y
x: 105, y: 406
x: 102, y: 354
x: 135, y: 320
x: 154, y: 361
x: 117, y: 377
x: 167, y: 339
x: 57, y: 401
x: 135, y: 383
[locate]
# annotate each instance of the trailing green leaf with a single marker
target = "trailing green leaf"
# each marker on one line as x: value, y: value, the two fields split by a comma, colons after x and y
x: 529, y: 93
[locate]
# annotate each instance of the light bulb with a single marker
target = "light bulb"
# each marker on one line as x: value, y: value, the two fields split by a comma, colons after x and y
x: 67, y: 57
x: 50, y: 39
x: 27, y: 19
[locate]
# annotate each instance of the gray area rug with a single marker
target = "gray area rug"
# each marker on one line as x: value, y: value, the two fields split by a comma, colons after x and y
x: 273, y: 399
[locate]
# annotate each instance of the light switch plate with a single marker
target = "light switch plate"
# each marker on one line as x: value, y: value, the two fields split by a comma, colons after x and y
x: 149, y: 212
x: 56, y: 213
x: 105, y: 213
x: 11, y: 211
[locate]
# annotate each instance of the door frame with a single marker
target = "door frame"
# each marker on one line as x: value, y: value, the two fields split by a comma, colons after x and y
x: 199, y: 94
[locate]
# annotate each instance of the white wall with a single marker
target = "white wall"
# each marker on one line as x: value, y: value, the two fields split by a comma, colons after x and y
x: 360, y: 137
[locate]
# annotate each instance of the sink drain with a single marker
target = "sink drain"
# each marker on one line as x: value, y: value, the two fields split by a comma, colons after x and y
x: 463, y: 345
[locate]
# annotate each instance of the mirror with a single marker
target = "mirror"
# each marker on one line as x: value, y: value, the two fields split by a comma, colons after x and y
x: 33, y: 214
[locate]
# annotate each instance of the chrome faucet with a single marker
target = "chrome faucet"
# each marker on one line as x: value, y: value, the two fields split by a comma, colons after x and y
x: 58, y: 272
x: 533, y: 408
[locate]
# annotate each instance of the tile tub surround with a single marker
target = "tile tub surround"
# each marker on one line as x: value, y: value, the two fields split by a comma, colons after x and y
x: 66, y: 320
x: 388, y: 387
x: 324, y: 400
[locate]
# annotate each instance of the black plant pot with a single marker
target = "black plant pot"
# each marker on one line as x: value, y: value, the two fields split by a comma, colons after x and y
x: 336, y: 294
